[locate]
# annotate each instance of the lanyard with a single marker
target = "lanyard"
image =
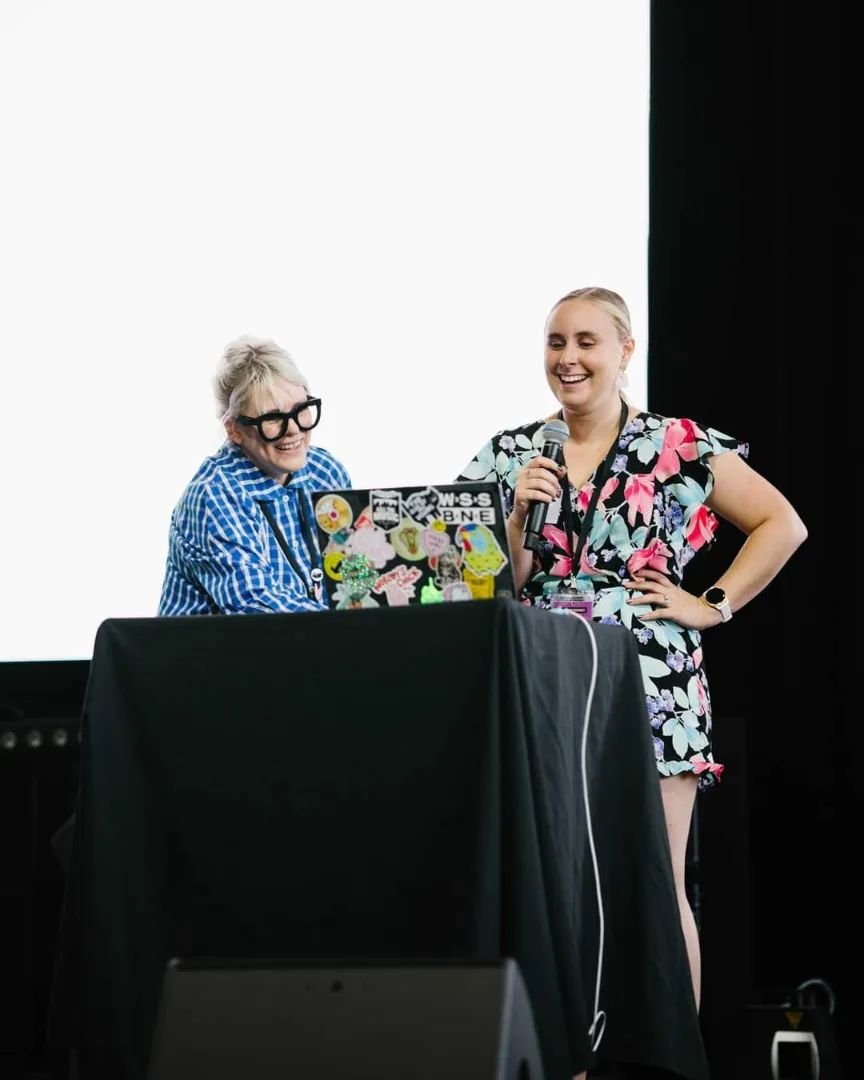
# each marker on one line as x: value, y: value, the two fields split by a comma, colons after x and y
x: 313, y: 585
x: 601, y: 474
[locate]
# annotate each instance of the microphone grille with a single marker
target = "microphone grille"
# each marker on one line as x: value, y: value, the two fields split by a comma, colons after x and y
x: 556, y: 431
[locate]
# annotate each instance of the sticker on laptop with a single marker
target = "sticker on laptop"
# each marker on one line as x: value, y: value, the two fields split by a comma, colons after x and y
x: 333, y: 514
x: 481, y: 550
x: 398, y: 585
x: 371, y: 542
x: 385, y: 509
x: 406, y: 539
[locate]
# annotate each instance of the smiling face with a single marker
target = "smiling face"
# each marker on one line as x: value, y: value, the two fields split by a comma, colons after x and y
x: 285, y: 456
x: 584, y: 354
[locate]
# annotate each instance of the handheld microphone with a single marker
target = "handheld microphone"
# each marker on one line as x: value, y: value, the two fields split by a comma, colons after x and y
x: 555, y: 434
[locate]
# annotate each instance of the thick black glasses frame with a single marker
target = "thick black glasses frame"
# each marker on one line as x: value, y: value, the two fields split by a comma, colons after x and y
x: 284, y: 418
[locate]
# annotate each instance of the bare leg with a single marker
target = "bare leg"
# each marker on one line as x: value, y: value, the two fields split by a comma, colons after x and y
x: 679, y: 793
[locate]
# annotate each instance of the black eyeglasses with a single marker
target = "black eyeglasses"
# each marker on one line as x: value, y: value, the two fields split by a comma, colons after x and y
x: 273, y: 425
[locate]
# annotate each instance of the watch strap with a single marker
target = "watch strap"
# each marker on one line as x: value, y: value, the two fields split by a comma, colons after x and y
x: 723, y: 606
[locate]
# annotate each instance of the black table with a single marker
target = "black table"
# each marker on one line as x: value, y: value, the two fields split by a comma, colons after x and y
x: 396, y: 783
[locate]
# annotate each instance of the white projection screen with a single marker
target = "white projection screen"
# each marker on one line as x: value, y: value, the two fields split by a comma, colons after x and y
x: 395, y: 192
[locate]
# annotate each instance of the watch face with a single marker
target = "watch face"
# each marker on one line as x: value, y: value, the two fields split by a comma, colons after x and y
x: 715, y: 595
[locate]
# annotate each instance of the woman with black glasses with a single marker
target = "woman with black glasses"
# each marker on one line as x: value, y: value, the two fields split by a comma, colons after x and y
x: 242, y: 537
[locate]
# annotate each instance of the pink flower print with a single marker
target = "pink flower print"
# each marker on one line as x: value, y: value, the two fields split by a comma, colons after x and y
x: 700, y: 766
x: 655, y: 556
x: 639, y: 493
x: 586, y: 492
x: 609, y: 488
x: 585, y: 566
x: 563, y: 558
x: 563, y: 565
x: 702, y: 694
x: 700, y: 528
x: 678, y: 443
x: 584, y: 497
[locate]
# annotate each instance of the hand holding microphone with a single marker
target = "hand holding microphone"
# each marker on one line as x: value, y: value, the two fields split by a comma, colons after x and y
x: 538, y: 484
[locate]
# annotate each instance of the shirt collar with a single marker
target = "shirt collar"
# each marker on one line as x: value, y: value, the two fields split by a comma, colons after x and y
x: 252, y: 479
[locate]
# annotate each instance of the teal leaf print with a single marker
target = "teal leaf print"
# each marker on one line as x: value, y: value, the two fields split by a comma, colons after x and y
x: 502, y: 463
x: 680, y: 740
x: 698, y: 739
x: 673, y: 633
x: 599, y: 532
x: 653, y: 668
x: 483, y: 465
x: 645, y: 450
x: 619, y: 537
x: 687, y: 492
x: 609, y: 601
x: 626, y: 615
x: 480, y: 470
x: 658, y: 437
x: 638, y: 610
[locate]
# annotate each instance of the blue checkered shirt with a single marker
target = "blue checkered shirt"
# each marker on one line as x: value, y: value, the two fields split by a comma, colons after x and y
x: 223, y: 557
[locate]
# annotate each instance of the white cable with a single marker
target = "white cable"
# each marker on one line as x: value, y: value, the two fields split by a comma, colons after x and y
x: 599, y: 1015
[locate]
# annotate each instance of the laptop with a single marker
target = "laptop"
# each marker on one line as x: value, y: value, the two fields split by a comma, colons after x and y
x: 387, y: 547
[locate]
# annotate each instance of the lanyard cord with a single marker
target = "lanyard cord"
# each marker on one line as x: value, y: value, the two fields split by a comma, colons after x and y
x: 313, y: 586
x: 601, y: 474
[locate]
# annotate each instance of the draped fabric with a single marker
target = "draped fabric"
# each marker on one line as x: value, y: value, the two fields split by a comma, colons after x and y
x: 397, y: 783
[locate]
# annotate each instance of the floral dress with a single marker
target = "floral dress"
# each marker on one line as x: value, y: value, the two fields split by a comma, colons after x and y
x: 651, y: 512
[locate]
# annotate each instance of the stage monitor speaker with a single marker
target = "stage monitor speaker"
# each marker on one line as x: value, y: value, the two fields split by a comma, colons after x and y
x: 244, y: 1020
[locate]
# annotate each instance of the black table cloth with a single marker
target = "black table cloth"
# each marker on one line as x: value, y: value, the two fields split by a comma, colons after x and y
x: 396, y: 783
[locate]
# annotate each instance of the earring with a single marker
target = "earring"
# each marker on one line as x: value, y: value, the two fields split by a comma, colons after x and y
x: 622, y: 378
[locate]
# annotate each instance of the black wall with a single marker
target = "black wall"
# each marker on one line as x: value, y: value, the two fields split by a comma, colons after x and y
x: 753, y: 284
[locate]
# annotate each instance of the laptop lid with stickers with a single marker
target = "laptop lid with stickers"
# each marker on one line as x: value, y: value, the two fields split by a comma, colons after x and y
x: 386, y: 547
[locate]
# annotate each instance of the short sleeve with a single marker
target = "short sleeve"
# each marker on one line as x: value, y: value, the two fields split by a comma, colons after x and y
x: 501, y: 458
x: 481, y: 466
x: 685, y: 456
x: 710, y: 442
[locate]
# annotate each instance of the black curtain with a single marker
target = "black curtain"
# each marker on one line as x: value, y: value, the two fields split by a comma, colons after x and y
x: 753, y: 284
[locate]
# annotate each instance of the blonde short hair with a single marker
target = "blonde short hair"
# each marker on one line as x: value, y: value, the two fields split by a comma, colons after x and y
x: 249, y: 368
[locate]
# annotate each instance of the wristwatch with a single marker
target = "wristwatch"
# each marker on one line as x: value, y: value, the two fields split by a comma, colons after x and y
x: 716, y: 597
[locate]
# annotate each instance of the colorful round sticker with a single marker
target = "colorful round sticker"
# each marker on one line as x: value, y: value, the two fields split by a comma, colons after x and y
x: 333, y: 513
x: 406, y: 538
x: 332, y: 561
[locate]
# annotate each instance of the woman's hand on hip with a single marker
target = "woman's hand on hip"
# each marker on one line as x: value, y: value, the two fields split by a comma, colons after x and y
x: 669, y: 601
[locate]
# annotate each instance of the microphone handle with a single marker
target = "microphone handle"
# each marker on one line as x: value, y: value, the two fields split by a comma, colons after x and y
x: 536, y: 518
